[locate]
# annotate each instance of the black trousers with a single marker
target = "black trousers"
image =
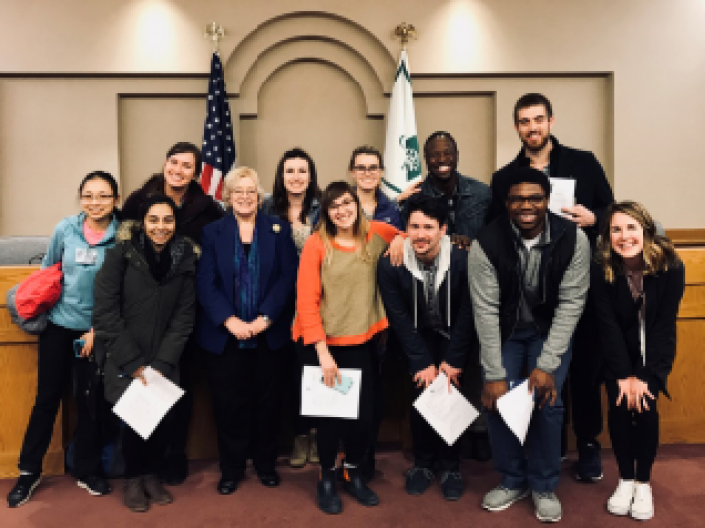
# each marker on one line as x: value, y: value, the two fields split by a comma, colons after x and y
x: 430, y: 450
x: 634, y: 435
x: 585, y: 378
x: 294, y: 368
x: 143, y: 457
x: 356, y: 436
x: 56, y: 366
x: 246, y: 389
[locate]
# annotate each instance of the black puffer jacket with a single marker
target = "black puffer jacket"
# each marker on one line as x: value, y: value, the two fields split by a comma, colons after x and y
x: 137, y: 320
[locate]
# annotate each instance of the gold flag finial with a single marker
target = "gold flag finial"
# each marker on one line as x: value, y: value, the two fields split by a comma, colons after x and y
x: 405, y: 32
x: 216, y: 33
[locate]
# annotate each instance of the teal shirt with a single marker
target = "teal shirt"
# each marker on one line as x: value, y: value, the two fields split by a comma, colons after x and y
x: 75, y: 306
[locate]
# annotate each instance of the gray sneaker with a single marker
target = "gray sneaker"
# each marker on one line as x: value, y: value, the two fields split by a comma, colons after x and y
x: 501, y: 498
x: 548, y: 507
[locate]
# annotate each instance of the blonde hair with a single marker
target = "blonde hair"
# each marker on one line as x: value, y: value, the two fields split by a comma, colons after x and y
x: 233, y: 177
x: 327, y: 229
x: 658, y: 253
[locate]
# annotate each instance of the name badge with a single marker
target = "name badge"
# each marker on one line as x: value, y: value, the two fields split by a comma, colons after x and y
x: 86, y: 256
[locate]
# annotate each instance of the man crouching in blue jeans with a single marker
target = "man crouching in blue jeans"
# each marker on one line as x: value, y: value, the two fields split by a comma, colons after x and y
x: 529, y: 275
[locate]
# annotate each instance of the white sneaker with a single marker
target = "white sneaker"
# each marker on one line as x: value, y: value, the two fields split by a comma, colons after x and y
x: 621, y: 500
x: 643, y: 506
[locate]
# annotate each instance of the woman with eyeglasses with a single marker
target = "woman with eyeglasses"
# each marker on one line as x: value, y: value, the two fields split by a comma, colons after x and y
x: 338, y: 314
x: 245, y: 286
x: 366, y: 168
x: 79, y: 242
x: 637, y: 283
x: 178, y: 180
x: 295, y: 199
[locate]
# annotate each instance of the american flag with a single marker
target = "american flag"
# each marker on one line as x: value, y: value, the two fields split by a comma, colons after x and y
x: 218, y: 144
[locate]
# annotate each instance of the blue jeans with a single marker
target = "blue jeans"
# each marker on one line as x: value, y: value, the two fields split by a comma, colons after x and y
x: 540, y: 463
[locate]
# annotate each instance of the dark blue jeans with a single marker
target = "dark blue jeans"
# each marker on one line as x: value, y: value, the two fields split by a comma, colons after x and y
x: 538, y: 464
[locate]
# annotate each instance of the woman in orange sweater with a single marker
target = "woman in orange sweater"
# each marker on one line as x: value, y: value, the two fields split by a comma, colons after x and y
x: 339, y: 312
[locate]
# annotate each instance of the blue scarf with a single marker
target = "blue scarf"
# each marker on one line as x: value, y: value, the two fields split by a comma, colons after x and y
x: 246, y: 284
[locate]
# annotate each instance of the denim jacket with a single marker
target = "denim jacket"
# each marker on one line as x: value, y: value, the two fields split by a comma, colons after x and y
x: 471, y: 204
x: 75, y: 306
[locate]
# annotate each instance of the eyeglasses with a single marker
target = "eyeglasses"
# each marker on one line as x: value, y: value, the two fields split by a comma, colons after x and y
x: 361, y: 169
x: 534, y: 199
x: 99, y: 198
x: 244, y: 192
x: 335, y: 206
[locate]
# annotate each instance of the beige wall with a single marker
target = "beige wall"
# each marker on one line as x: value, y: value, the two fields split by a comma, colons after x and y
x: 644, y: 120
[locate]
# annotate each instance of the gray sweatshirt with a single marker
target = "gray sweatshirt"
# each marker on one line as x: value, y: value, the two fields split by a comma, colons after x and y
x: 484, y: 290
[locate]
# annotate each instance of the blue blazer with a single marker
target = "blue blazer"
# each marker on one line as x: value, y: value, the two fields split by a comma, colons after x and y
x: 215, y: 280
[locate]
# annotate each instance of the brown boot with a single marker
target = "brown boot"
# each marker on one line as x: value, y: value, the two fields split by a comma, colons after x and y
x: 134, y: 495
x: 155, y: 491
x: 300, y: 452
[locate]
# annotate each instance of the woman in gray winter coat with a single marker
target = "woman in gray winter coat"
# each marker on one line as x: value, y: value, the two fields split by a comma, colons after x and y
x: 143, y: 315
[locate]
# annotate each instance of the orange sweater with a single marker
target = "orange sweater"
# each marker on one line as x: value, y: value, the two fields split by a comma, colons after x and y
x: 339, y: 301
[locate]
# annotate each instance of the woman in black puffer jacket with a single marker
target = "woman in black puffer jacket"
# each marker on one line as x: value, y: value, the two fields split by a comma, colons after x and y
x: 143, y: 315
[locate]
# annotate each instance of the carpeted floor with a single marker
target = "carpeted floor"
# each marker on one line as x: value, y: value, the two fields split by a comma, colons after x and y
x: 679, y: 491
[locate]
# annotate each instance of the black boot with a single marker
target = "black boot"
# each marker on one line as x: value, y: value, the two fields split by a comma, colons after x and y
x: 326, y: 496
x: 355, y: 485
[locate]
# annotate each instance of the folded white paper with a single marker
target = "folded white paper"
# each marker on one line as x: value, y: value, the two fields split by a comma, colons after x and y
x: 448, y: 412
x: 142, y: 407
x: 516, y: 407
x: 319, y: 400
x: 562, y: 194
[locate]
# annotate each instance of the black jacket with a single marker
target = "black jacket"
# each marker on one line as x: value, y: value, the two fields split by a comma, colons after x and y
x: 618, y: 321
x: 498, y: 241
x: 197, y: 210
x: 420, y: 342
x: 138, y: 321
x: 591, y: 187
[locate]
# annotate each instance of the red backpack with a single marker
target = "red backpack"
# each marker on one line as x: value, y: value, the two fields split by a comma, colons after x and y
x: 39, y: 292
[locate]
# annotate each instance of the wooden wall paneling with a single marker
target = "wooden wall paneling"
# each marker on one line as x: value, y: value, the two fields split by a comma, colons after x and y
x: 18, y: 382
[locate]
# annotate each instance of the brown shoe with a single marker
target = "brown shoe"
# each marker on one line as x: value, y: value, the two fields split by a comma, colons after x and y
x: 155, y: 491
x: 134, y: 495
x: 299, y: 453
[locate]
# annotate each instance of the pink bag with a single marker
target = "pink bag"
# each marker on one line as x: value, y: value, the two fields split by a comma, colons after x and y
x: 39, y: 292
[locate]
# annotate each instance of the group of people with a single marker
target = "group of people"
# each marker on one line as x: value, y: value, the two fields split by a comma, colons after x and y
x: 482, y: 283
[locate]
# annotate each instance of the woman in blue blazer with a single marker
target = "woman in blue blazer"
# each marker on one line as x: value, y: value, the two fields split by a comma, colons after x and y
x: 245, y: 287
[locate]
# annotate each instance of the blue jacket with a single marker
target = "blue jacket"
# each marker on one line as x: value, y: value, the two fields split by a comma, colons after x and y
x: 75, y: 305
x: 215, y: 280
x: 387, y: 211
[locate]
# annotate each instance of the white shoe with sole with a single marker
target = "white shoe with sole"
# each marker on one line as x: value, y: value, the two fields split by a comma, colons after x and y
x: 621, y: 500
x: 643, y: 505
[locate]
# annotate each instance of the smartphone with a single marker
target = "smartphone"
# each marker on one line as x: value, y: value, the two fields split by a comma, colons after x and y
x: 344, y: 386
x: 78, y: 345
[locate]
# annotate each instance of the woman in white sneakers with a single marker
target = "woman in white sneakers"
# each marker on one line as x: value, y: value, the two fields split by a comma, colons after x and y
x: 637, y: 283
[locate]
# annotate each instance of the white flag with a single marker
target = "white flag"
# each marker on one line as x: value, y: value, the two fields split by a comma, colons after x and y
x: 401, y: 152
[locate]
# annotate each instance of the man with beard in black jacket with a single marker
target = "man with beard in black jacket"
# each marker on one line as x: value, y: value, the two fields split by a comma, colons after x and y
x: 428, y: 306
x: 533, y: 121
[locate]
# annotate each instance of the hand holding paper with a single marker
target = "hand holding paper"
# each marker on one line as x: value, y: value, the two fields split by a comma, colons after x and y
x: 143, y: 405
x: 516, y: 407
x: 447, y: 411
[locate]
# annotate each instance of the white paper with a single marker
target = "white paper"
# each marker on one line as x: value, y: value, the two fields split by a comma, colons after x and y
x: 449, y: 413
x: 143, y: 407
x: 319, y: 400
x: 516, y: 407
x: 562, y: 194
